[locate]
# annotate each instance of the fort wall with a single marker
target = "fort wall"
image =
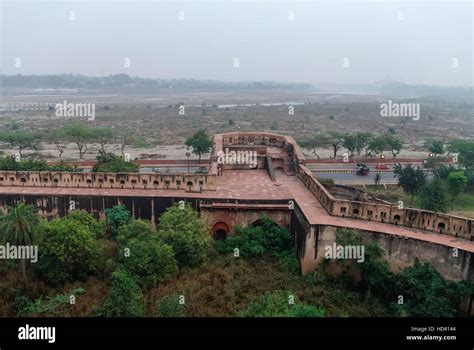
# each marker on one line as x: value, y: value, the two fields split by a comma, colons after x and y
x: 414, y: 218
x: 186, y: 182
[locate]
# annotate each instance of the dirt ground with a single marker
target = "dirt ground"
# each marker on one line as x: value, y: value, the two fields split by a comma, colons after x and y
x: 156, y: 119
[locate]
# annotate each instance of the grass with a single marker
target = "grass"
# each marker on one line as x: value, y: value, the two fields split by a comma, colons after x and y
x: 463, y: 205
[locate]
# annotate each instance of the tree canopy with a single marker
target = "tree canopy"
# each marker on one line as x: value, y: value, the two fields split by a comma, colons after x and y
x: 434, y: 196
x: 68, y: 251
x: 411, y: 180
x: 200, y: 142
x: 181, y: 227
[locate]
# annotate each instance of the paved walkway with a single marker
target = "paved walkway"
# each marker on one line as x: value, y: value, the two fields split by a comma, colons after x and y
x: 255, y: 184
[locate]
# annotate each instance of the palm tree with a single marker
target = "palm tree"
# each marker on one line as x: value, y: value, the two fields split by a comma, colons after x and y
x: 19, y: 226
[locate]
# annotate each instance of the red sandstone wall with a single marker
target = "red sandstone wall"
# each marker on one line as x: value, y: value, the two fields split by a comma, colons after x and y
x: 416, y: 218
x: 186, y: 182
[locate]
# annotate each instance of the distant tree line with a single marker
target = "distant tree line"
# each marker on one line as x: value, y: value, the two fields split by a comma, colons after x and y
x: 71, y: 81
x: 365, y: 143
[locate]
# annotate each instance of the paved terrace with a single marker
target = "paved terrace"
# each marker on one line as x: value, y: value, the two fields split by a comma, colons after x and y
x: 255, y: 184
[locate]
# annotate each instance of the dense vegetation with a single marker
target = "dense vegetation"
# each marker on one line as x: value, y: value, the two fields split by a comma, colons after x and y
x: 416, y: 291
x: 10, y: 164
x: 111, y: 163
x: 438, y: 193
x: 125, y: 267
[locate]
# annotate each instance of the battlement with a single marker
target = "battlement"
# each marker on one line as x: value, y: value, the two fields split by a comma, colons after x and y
x: 414, y: 218
x: 153, y: 181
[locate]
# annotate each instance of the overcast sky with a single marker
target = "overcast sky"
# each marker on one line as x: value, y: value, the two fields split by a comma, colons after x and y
x: 422, y: 43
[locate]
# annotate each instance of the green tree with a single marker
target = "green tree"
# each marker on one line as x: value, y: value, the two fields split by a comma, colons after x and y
x: 110, y: 163
x: 314, y: 142
x: 376, y: 277
x: 57, y: 138
x: 442, y: 171
x: 280, y: 304
x: 148, y: 260
x: 427, y: 294
x: 411, y: 180
x: 200, y: 142
x: 336, y: 142
x: 425, y: 291
x: 457, y: 183
x: 182, y: 228
x: 68, y: 251
x: 436, y: 147
x: 117, y: 216
x: 20, y: 139
x: 376, y: 145
x: 19, y: 227
x: 170, y: 306
x: 78, y: 134
x: 264, y: 238
x: 363, y: 139
x: 465, y: 150
x: 126, y: 139
x: 125, y: 297
x: 102, y: 136
x: 394, y: 144
x: 351, y: 143
x: 136, y: 229
x: 10, y: 164
x: 97, y: 227
x: 434, y: 196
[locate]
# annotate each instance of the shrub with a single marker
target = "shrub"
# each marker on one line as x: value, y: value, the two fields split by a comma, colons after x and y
x: 111, y: 163
x: 117, y: 216
x: 251, y: 241
x: 150, y: 261
x: 169, y: 306
x: 139, y: 229
x: 289, y: 261
x: 277, y: 304
x: 187, y: 233
x: 125, y: 298
x: 97, y: 227
x: 427, y: 294
x: 52, y: 306
x: 325, y: 181
x: 434, y: 196
x: 68, y: 251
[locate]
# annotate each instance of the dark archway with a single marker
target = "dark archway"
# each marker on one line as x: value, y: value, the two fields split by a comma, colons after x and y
x: 220, y: 231
x: 259, y: 223
x: 220, y: 234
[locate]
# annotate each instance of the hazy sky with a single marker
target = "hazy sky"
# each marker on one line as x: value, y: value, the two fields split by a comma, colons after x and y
x: 420, y: 43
